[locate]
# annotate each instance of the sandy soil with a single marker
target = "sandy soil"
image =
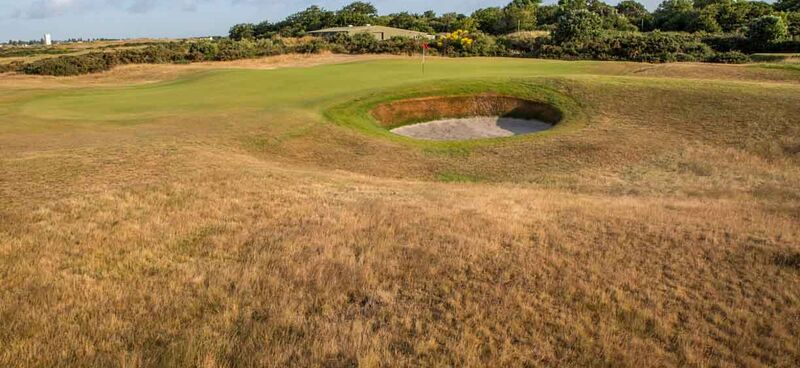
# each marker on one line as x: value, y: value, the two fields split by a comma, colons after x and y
x: 471, y: 128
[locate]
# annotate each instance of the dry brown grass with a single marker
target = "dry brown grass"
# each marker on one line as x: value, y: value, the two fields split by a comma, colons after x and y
x: 668, y: 239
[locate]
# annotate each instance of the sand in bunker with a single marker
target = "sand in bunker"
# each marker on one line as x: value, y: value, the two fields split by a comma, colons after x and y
x: 471, y: 128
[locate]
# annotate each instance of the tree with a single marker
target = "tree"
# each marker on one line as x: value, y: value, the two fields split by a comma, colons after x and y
x: 450, y: 22
x: 358, y: 13
x: 520, y: 15
x: 311, y: 19
x: 489, y: 20
x: 702, y: 4
x: 705, y: 20
x: 793, y: 23
x: 576, y: 25
x: 264, y: 29
x: 788, y: 5
x: 243, y: 31
x: 732, y: 16
x: 547, y: 15
x: 631, y: 9
x: 757, y: 9
x: 636, y: 13
x: 674, y: 15
x: 572, y: 4
x: 405, y: 20
x: 524, y: 3
x: 766, y: 29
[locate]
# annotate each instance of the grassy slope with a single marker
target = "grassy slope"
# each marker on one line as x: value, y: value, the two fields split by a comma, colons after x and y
x: 220, y: 219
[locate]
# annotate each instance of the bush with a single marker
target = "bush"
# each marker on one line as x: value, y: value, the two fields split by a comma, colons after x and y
x: 727, y: 42
x: 458, y: 43
x: 11, y: 67
x: 70, y: 65
x: 730, y: 57
x: 400, y: 45
x: 203, y: 50
x: 265, y: 47
x: 362, y: 43
x: 236, y: 50
x: 521, y: 44
x: 632, y: 46
x: 313, y: 46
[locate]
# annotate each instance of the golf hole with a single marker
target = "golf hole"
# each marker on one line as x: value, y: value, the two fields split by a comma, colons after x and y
x: 454, y: 118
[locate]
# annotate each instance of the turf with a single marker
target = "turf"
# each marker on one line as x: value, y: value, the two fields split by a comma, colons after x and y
x: 260, y: 218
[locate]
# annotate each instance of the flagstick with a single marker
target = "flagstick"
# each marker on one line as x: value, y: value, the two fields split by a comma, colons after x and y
x: 424, y: 52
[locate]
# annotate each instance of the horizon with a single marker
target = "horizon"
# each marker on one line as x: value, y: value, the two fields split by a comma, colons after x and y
x: 131, y: 19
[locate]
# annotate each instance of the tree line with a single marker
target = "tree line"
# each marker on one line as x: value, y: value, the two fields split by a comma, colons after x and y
x: 706, y: 16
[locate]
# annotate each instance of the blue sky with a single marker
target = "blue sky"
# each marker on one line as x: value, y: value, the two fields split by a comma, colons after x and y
x: 29, y: 19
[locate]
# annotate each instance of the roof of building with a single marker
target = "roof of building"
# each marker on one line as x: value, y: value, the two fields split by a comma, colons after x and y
x: 368, y: 29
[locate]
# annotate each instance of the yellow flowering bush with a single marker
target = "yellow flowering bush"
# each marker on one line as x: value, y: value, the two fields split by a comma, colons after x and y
x: 457, y: 41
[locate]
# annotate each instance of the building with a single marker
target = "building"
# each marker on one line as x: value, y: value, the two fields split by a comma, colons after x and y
x: 379, y: 32
x: 47, y: 40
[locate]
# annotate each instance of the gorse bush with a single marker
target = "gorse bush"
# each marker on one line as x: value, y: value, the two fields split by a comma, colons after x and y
x: 204, y: 50
x: 730, y: 57
x: 71, y: 65
x: 11, y: 67
x: 457, y: 43
x: 631, y: 46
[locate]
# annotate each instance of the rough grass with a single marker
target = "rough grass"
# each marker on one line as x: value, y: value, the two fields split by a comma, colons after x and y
x: 220, y: 219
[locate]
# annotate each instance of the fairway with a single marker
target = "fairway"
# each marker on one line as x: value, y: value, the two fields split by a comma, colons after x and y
x: 241, y: 217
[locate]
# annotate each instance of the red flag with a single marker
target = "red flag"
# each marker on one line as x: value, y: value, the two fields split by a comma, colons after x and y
x: 426, y: 46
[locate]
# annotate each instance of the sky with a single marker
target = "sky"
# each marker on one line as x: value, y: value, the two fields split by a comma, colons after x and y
x: 31, y: 19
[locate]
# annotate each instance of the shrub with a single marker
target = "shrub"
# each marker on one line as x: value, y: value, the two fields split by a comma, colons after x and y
x: 458, y: 43
x: 204, y: 50
x: 69, y: 65
x: 400, y: 45
x: 485, y: 45
x: 313, y: 46
x: 236, y: 50
x: 727, y: 42
x: 11, y: 67
x: 730, y: 57
x: 266, y: 47
x: 362, y: 43
x: 633, y: 46
x: 521, y: 44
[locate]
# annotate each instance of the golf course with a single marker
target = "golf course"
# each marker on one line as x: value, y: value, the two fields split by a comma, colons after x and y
x: 263, y: 213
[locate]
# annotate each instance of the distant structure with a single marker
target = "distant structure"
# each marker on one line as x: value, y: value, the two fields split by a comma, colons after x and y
x: 379, y: 32
x: 47, y: 40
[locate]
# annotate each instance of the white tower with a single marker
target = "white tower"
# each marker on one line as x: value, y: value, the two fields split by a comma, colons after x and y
x: 48, y: 40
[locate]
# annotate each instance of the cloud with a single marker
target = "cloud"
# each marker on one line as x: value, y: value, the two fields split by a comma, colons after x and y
x: 141, y: 6
x: 49, y: 8
x: 40, y: 9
